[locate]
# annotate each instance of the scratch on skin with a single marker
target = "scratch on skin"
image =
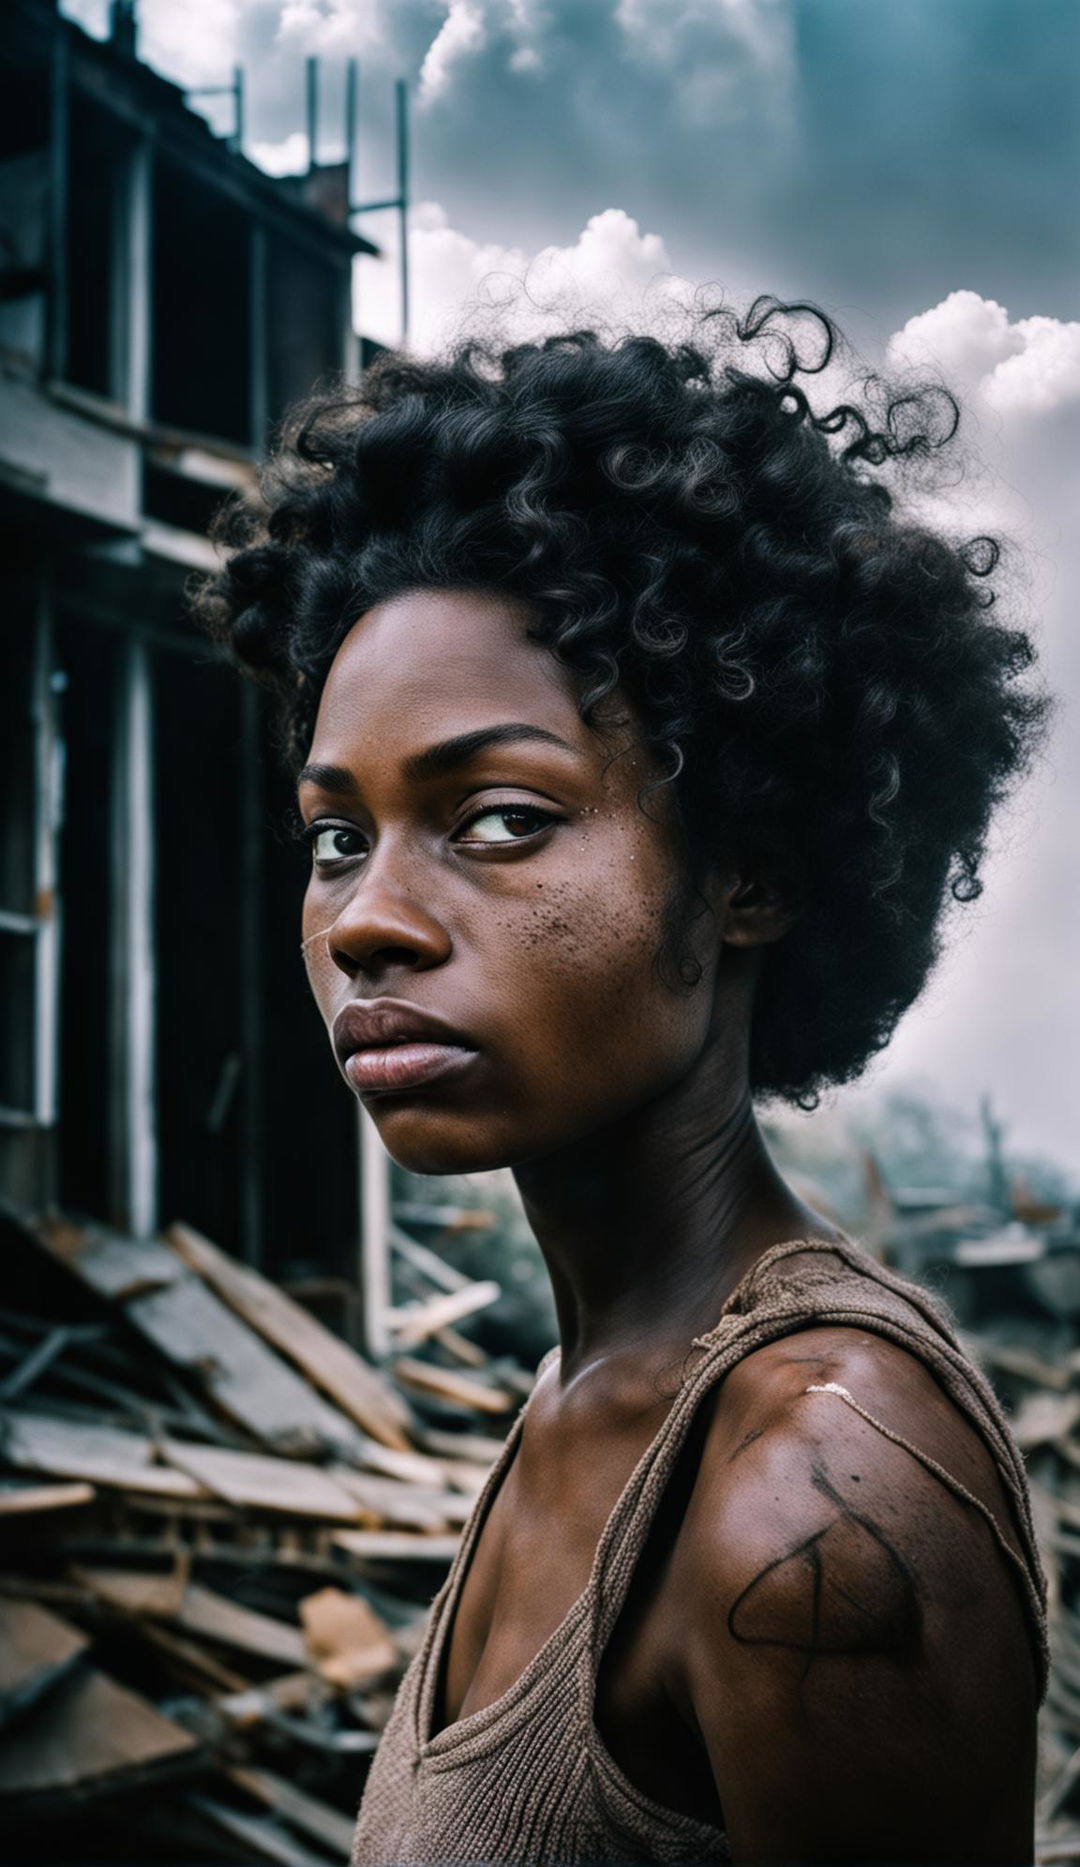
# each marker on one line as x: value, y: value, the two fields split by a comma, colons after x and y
x: 748, y: 1440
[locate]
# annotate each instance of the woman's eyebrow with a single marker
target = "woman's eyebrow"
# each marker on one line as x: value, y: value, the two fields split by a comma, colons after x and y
x: 437, y: 760
x: 444, y: 757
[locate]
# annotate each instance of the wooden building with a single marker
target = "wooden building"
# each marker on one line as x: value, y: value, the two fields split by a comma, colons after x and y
x: 162, y: 301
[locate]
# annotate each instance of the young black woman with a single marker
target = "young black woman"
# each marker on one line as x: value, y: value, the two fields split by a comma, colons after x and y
x: 643, y: 742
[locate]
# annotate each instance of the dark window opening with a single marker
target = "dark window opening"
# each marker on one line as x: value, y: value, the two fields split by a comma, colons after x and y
x: 305, y: 324
x: 310, y: 1146
x: 96, y: 260
x: 89, y: 659
x: 175, y: 499
x: 199, y: 873
x: 201, y: 310
x: 24, y: 212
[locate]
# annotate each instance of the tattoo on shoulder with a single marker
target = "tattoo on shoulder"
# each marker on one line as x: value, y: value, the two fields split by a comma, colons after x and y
x: 845, y: 1590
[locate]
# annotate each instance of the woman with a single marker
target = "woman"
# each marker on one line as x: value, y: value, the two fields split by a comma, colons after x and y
x: 643, y: 742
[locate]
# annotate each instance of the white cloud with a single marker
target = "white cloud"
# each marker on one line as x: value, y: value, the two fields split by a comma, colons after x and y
x: 192, y: 44
x: 720, y: 54
x: 1027, y: 368
x: 462, y: 33
x: 331, y: 28
x: 289, y: 157
x: 612, y: 271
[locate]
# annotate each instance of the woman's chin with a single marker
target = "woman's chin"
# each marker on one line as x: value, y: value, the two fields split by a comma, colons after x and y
x: 421, y: 1144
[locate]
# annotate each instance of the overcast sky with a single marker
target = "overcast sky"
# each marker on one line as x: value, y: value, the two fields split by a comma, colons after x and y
x: 911, y: 164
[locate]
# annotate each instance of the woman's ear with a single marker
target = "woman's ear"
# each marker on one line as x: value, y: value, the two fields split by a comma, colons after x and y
x: 756, y: 911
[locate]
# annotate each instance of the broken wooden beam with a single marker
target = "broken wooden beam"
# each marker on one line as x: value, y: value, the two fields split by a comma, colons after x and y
x: 37, y: 1650
x: 328, y: 1362
x: 461, y: 1390
x: 414, y: 1322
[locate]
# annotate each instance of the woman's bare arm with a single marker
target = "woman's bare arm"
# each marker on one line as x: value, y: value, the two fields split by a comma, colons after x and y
x: 856, y: 1653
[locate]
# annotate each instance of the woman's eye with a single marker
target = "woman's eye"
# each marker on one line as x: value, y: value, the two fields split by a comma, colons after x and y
x: 335, y: 843
x: 506, y: 823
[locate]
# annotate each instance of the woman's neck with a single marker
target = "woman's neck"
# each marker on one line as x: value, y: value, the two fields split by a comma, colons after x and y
x: 648, y: 1226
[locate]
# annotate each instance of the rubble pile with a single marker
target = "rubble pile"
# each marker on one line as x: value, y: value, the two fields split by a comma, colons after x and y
x: 220, y: 1530
x: 1043, y: 1397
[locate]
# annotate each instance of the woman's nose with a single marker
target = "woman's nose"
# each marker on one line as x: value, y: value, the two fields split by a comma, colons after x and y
x: 381, y: 927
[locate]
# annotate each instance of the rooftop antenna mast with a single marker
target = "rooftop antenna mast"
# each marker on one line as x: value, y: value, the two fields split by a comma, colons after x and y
x: 400, y: 200
x: 312, y: 90
x: 124, y: 27
x: 235, y: 90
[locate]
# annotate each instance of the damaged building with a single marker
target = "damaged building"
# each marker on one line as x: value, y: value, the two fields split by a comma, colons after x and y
x: 162, y: 302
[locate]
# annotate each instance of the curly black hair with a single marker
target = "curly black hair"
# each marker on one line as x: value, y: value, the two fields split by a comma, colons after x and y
x: 820, y: 675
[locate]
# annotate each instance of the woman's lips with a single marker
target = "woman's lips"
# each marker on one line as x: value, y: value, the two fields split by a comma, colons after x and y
x: 408, y: 1065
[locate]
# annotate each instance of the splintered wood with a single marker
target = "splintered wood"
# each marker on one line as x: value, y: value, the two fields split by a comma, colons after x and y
x: 220, y: 1530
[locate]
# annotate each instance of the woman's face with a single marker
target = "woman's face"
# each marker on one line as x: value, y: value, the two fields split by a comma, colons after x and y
x: 480, y: 856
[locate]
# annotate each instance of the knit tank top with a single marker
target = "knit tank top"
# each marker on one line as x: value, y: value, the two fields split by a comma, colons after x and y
x: 528, y: 1779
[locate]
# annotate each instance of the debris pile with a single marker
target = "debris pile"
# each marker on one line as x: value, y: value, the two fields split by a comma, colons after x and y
x: 1043, y: 1398
x: 220, y: 1530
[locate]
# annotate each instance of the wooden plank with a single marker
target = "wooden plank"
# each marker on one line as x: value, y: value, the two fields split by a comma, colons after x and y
x: 461, y: 1348
x: 117, y: 1268
x: 194, y: 1666
x: 352, y: 1383
x: 89, y: 1731
x: 196, y: 1332
x: 215, y: 1617
x: 1019, y: 1361
x: 448, y: 1384
x: 137, y: 1592
x: 293, y: 1692
x: 197, y: 1610
x: 404, y: 1507
x: 251, y: 1385
x: 31, y: 1500
x: 322, y: 1823
x: 35, y: 1442
x: 250, y: 1480
x: 259, y: 1833
x: 1042, y: 1418
x: 396, y: 1546
x: 35, y: 1363
x: 37, y: 1649
x: 413, y: 1324
x: 411, y: 1467
x: 475, y: 1448
x: 348, y: 1644
x: 421, y: 1258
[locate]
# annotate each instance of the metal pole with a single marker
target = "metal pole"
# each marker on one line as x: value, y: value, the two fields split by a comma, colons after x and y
x: 136, y: 1158
x: 312, y: 76
x: 238, y: 109
x: 49, y: 789
x: 350, y: 127
x: 59, y: 136
x: 402, y: 112
x: 374, y: 1237
x: 138, y: 388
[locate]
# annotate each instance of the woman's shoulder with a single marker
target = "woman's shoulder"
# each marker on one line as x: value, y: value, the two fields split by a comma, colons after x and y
x: 839, y: 1479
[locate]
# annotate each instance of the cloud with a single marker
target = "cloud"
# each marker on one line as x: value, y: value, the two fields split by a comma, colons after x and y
x: 1026, y: 368
x: 289, y: 157
x: 331, y: 28
x: 462, y: 33
x: 722, y: 57
x: 611, y: 270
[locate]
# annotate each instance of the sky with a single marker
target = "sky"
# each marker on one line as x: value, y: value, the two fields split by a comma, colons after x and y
x: 912, y: 165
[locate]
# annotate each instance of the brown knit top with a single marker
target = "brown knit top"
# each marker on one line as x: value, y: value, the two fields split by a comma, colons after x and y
x: 528, y: 1779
